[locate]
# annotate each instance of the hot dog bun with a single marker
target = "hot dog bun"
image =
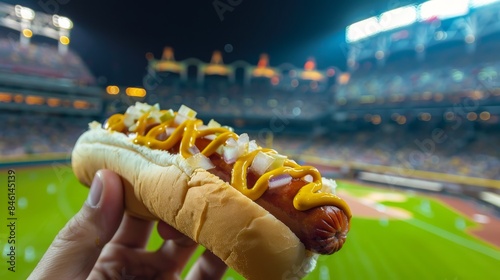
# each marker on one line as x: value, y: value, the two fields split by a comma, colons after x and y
x: 162, y: 186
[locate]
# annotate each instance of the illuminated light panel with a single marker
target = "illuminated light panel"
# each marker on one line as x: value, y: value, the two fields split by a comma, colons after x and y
x: 135, y: 92
x: 27, y: 33
x: 480, y: 3
x: 449, y: 116
x: 5, y: 97
x: 113, y: 90
x: 18, y: 98
x: 62, y: 22
x: 81, y: 104
x: 34, y: 100
x: 471, y: 116
x: 362, y: 29
x: 484, y: 116
x: 24, y: 13
x: 399, y: 17
x: 64, y: 40
x: 376, y: 119
x: 53, y: 102
x: 401, y: 120
x: 425, y: 117
x: 443, y: 9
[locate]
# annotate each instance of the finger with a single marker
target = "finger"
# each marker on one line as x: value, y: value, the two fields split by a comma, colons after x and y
x: 75, y: 249
x: 177, y: 248
x: 208, y: 266
x: 168, y: 232
x: 133, y: 232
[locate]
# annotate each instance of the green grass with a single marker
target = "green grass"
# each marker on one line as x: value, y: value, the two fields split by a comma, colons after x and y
x: 432, y: 245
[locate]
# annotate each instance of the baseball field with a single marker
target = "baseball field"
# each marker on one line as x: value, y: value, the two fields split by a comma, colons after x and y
x: 394, y: 234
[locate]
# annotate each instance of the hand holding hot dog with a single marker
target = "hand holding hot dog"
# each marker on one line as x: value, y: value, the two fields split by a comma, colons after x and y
x: 100, y: 242
x: 262, y: 213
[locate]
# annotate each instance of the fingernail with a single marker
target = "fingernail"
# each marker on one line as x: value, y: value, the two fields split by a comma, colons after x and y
x: 95, y: 190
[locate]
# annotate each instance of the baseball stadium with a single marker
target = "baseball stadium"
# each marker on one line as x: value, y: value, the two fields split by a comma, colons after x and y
x: 409, y: 128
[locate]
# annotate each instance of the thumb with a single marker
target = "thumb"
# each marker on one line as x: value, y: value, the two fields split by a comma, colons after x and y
x: 75, y: 249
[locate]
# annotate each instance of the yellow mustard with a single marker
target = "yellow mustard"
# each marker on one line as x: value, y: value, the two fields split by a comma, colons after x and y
x: 186, y: 133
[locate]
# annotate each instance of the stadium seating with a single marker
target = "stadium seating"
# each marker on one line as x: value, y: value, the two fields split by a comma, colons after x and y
x: 43, y: 61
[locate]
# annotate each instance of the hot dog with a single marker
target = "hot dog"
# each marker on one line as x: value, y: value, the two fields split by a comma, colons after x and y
x: 260, y: 212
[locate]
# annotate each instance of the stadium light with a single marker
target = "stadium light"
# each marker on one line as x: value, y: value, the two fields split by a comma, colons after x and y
x: 113, y: 90
x: 62, y: 22
x: 480, y: 3
x: 398, y: 17
x: 135, y: 92
x: 362, y: 29
x: 64, y: 40
x: 27, y: 33
x: 24, y: 13
x: 443, y: 9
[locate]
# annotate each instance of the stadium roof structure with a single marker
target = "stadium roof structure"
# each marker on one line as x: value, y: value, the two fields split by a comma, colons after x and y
x: 263, y: 69
x: 168, y: 63
x: 217, y: 66
x: 310, y: 72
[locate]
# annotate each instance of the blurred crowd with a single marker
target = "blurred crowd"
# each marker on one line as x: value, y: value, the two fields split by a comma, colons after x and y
x: 453, y: 152
x: 449, y: 150
x: 43, y: 60
x: 32, y: 133
x: 218, y: 97
x: 443, y: 76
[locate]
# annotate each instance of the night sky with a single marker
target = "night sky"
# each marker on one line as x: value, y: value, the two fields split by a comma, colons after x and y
x: 113, y: 36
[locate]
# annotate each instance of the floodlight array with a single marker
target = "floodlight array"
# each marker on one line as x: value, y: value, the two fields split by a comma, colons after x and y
x: 408, y: 15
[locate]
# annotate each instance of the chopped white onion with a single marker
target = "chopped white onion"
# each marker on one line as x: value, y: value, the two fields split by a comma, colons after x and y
x: 194, y: 150
x: 252, y: 146
x: 130, y: 119
x: 279, y: 161
x: 133, y: 127
x: 243, y: 139
x: 187, y: 112
x: 211, y: 137
x: 329, y: 185
x: 231, y: 142
x: 200, y: 161
x: 155, y: 115
x: 213, y: 124
x: 308, y: 178
x: 169, y: 130
x: 230, y: 154
x: 280, y: 180
x: 180, y: 119
x: 261, y: 163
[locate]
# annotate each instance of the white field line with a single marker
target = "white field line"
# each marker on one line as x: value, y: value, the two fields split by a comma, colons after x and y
x: 455, y: 238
